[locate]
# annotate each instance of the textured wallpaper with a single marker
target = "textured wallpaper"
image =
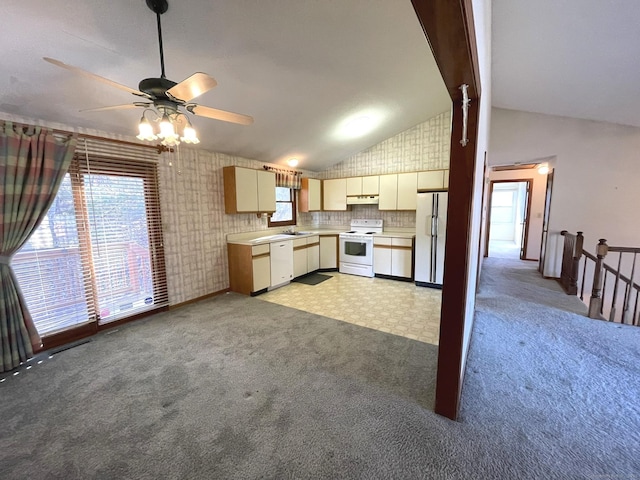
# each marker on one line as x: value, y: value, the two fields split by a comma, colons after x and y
x: 423, y: 147
x: 192, y: 200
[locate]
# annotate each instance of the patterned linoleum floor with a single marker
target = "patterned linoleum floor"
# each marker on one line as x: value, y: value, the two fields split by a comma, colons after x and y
x: 391, y: 306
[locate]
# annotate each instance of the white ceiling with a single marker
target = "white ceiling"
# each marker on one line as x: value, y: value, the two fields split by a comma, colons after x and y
x: 574, y: 58
x: 299, y: 67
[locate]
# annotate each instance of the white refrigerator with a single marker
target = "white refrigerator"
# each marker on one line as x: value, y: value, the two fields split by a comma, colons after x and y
x: 431, y: 226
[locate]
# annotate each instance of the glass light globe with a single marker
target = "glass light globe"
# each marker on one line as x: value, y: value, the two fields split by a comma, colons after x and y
x: 145, y: 131
x: 189, y: 135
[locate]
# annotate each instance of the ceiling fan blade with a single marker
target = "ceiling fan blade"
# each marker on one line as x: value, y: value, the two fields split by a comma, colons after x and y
x: 192, y: 87
x: 93, y: 76
x: 219, y: 114
x: 126, y: 106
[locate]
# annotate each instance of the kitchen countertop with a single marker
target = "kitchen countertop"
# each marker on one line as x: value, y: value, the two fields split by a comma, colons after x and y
x: 268, y: 236
x: 395, y: 234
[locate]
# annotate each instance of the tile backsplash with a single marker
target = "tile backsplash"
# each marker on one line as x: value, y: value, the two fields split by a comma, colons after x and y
x: 423, y: 147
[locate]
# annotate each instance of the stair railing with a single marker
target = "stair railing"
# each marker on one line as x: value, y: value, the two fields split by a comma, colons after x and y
x: 624, y: 303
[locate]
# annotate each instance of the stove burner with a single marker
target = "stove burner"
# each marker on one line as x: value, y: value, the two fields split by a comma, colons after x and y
x: 352, y: 231
x: 369, y: 233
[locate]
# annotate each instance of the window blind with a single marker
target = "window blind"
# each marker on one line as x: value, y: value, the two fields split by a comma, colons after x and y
x: 98, y: 256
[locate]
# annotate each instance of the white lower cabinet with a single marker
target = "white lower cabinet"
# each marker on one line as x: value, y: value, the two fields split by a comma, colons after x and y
x: 261, y: 273
x: 402, y: 257
x: 382, y: 256
x: 281, y: 254
x: 313, y: 257
x: 249, y: 268
x: 328, y: 252
x: 306, y: 255
x: 393, y: 257
x: 299, y: 257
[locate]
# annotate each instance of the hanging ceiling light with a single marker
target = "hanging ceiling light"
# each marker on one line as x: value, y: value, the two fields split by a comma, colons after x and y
x: 170, y: 122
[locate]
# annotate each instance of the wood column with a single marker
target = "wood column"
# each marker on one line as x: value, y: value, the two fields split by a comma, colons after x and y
x: 449, y: 28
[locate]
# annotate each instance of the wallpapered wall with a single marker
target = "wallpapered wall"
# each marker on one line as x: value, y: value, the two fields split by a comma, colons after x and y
x: 423, y: 147
x: 192, y: 201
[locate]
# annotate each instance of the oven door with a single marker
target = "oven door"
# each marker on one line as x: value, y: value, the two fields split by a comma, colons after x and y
x: 359, y: 251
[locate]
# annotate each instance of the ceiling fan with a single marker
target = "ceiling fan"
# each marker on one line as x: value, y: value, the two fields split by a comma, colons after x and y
x: 167, y: 96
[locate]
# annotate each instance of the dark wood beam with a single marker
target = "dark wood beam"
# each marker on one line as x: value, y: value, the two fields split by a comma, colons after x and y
x: 449, y: 28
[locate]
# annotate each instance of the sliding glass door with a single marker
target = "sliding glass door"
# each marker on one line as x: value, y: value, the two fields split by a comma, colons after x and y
x: 119, y: 243
x: 97, y: 256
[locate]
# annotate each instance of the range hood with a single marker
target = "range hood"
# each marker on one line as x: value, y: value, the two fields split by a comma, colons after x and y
x: 362, y: 200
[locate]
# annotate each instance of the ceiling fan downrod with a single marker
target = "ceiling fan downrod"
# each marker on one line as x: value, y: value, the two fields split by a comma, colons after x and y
x: 159, y: 7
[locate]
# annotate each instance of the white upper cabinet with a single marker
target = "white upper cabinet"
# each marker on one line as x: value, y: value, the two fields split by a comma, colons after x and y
x: 371, y: 185
x: 249, y: 191
x: 433, y: 180
x: 407, y: 191
x: 388, y: 199
x: 334, y: 194
x: 354, y: 186
x: 368, y: 185
x: 266, y: 191
x: 310, y: 197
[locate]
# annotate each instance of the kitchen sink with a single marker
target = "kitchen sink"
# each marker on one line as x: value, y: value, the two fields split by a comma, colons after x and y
x: 270, y: 238
x: 279, y: 236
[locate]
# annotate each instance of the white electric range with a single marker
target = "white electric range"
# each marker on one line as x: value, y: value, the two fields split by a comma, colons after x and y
x: 356, y: 247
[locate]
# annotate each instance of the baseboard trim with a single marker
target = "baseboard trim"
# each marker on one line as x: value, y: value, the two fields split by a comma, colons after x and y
x: 198, y: 299
x: 393, y: 277
x: 437, y: 286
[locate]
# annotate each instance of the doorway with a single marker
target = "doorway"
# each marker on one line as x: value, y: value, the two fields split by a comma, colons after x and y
x: 508, y: 218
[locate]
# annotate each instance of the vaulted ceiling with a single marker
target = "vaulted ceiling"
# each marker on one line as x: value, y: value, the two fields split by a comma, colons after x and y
x: 301, y: 68
x: 574, y: 58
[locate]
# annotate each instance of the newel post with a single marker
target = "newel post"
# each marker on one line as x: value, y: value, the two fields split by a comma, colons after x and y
x: 595, y: 302
x: 575, y: 265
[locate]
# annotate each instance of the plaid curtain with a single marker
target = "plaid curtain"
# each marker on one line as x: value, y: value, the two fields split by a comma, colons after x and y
x: 32, y: 166
x: 286, y: 178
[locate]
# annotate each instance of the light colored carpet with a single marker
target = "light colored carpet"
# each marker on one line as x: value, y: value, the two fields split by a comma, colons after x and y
x: 549, y: 383
x: 237, y: 388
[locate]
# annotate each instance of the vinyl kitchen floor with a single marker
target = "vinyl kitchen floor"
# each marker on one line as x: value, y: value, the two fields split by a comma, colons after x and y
x: 390, y: 306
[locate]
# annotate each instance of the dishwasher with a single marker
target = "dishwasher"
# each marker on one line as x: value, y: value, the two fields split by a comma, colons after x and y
x: 281, y: 254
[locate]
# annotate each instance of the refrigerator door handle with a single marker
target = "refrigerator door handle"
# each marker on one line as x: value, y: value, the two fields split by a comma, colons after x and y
x: 434, y: 226
x: 429, y: 223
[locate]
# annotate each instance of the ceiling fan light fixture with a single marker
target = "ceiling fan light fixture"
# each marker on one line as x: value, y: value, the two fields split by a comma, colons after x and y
x: 145, y: 130
x: 189, y: 135
x: 166, y: 127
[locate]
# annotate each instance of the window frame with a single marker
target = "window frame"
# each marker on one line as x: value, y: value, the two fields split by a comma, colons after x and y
x: 294, y: 211
x: 95, y: 155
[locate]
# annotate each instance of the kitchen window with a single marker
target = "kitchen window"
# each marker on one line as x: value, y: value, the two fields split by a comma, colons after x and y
x: 285, y: 213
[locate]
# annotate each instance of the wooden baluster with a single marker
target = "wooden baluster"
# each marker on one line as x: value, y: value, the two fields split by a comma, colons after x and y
x: 635, y: 310
x: 584, y: 277
x: 604, y: 292
x: 614, y: 298
x: 627, y: 294
x: 595, y: 302
x: 567, y: 261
